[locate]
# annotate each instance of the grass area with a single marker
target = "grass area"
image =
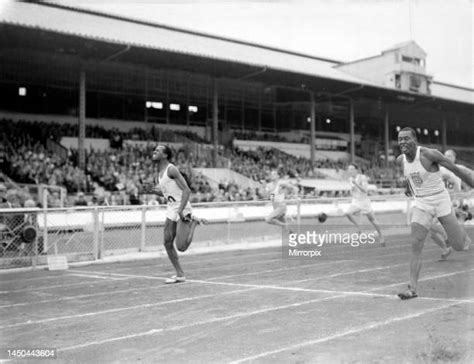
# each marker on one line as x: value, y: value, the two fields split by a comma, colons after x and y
x: 441, y: 350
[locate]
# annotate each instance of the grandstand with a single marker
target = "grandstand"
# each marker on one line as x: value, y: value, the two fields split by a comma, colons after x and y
x: 83, y: 107
x: 87, y: 96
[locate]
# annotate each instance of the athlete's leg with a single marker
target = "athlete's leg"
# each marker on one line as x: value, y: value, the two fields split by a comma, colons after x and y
x: 421, y: 221
x: 351, y: 210
x: 185, y: 233
x: 374, y: 222
x: 456, y: 234
x: 169, y: 235
x: 277, y: 217
x: 467, y: 242
x: 463, y: 216
x: 419, y: 233
x: 439, y: 237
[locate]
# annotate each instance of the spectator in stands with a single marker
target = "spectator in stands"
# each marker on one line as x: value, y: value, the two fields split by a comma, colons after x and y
x: 81, y: 199
x: 153, y: 201
x: 134, y: 200
x: 3, y: 199
x: 116, y: 140
x: 54, y: 200
x: 109, y: 170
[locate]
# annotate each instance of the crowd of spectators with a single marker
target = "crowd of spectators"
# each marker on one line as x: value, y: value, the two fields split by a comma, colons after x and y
x: 264, y: 137
x: 122, y: 173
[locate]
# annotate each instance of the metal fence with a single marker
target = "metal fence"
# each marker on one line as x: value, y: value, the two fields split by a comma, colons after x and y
x: 29, y: 236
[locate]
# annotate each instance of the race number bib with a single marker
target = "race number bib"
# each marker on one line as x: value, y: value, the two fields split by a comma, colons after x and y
x: 449, y: 184
x: 417, y: 180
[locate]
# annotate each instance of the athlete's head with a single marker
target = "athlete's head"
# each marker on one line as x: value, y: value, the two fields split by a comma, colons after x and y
x: 407, y: 140
x: 353, y: 169
x: 451, y: 155
x: 274, y: 175
x: 162, y: 152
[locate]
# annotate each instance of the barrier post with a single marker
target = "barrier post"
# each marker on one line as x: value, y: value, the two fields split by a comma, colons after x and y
x: 143, y: 232
x: 95, y: 219
x: 101, y: 235
x: 408, y: 211
x: 35, y: 253
x: 298, y: 213
x: 228, y: 225
x: 45, y: 221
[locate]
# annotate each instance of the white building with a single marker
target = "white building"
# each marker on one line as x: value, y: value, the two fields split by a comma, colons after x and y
x: 401, y: 67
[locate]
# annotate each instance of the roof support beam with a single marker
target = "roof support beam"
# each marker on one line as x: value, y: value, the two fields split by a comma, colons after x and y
x: 312, y: 128
x: 82, y: 118
x: 215, y: 122
x: 351, y: 129
x: 386, y: 136
x: 444, y: 135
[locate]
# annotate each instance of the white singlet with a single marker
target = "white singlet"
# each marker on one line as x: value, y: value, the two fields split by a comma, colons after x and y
x: 422, y: 182
x: 173, y: 195
x: 277, y: 195
x: 360, y: 200
x: 357, y: 194
x: 431, y: 197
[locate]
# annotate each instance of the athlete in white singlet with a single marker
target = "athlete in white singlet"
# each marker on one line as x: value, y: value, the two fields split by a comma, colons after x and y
x: 277, y: 195
x: 179, y: 224
x: 421, y: 169
x: 360, y: 200
x: 454, y: 185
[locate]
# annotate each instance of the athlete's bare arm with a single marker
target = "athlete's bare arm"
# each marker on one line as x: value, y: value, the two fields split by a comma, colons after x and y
x: 173, y: 173
x: 464, y: 185
x: 399, y: 160
x: 408, y: 190
x: 436, y: 156
x: 154, y: 189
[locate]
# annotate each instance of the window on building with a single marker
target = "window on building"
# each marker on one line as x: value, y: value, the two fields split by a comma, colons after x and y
x: 415, y: 83
x: 398, y: 82
x: 415, y: 61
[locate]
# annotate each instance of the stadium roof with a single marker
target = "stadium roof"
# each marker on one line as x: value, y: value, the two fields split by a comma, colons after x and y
x: 118, y: 30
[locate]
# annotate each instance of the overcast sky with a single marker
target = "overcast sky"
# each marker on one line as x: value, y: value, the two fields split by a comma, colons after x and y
x: 344, y: 30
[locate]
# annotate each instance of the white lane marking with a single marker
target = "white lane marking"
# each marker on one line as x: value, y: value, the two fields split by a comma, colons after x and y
x: 338, y: 335
x: 121, y: 309
x: 281, y: 269
x: 96, y: 276
x: 202, y: 322
x: 270, y: 309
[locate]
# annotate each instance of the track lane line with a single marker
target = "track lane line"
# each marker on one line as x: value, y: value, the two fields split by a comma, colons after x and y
x: 341, y: 334
x: 121, y: 309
